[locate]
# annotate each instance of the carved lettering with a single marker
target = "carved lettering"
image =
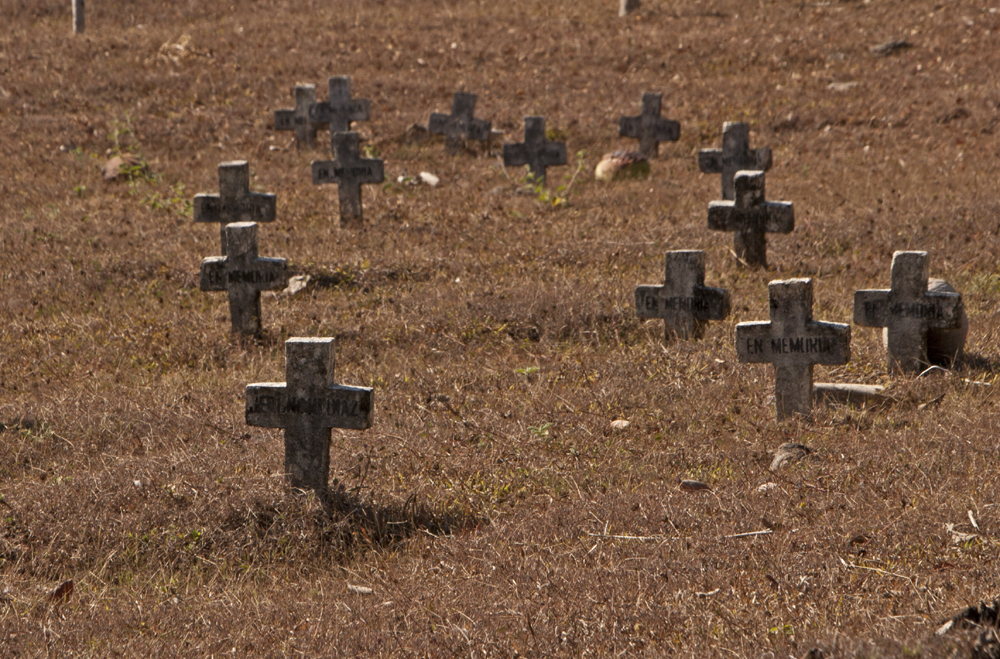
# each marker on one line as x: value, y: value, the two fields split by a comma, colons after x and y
x: 802, y: 345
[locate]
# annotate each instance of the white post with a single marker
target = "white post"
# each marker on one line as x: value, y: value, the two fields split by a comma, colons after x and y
x: 78, y: 17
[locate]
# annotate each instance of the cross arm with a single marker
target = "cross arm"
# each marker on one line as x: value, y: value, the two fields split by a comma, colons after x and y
x: 268, y: 405
x: 647, y: 301
x: 871, y: 308
x: 284, y: 120
x: 630, y: 126
x: 324, y: 171
x: 213, y: 274
x: 722, y: 216
x: 515, y: 154
x: 439, y: 123
x: 270, y: 273
x: 710, y: 161
x: 479, y: 129
x: 780, y: 217
x: 762, y: 159
x: 949, y: 307
x: 753, y: 342
x: 713, y: 303
x: 828, y: 343
x: 207, y: 208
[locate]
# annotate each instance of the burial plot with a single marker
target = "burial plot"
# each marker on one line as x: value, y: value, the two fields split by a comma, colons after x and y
x: 735, y: 155
x: 793, y: 342
x: 235, y: 202
x: 460, y: 125
x: 307, y: 405
x: 78, y: 17
x: 537, y: 152
x: 683, y: 302
x: 339, y: 110
x: 649, y: 127
x: 244, y: 275
x: 908, y: 310
x: 751, y: 218
x: 297, y: 118
x: 349, y: 171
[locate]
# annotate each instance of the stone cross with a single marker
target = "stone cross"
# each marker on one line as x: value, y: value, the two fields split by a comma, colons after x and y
x: 78, y: 17
x: 536, y: 151
x: 793, y: 342
x: 244, y: 275
x: 297, y: 119
x: 349, y: 171
x: 625, y: 7
x: 649, y: 127
x: 307, y: 406
x: 735, y: 155
x: 683, y: 302
x: 460, y: 124
x: 235, y: 202
x: 339, y: 110
x: 750, y: 218
x: 908, y: 310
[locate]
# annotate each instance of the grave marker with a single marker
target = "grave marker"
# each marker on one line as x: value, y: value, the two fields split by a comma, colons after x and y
x: 349, y: 171
x: 793, y: 342
x: 297, y: 119
x: 735, y: 155
x: 307, y: 405
x: 649, y: 127
x: 339, y: 110
x: 750, y: 218
x: 536, y: 151
x: 78, y: 17
x: 235, y: 202
x: 683, y: 302
x: 460, y: 125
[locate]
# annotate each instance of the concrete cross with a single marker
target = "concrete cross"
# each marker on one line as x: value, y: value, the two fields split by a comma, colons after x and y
x: 460, y: 125
x: 793, y: 342
x: 735, y: 155
x: 244, y: 275
x: 536, y: 151
x: 908, y: 310
x: 339, y: 110
x: 307, y: 406
x: 683, y: 302
x: 649, y: 127
x: 349, y: 171
x: 78, y: 17
x: 235, y: 202
x: 750, y: 218
x: 297, y: 119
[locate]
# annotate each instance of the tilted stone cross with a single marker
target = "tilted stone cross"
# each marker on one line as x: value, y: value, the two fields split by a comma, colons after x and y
x: 735, y: 155
x: 460, y: 125
x: 683, y: 302
x: 535, y: 151
x: 244, y: 275
x: 339, y: 110
x: 349, y: 171
x: 235, y: 202
x: 78, y: 17
x: 307, y: 405
x: 750, y: 218
x: 297, y: 119
x: 649, y: 127
x: 793, y: 342
x: 908, y: 310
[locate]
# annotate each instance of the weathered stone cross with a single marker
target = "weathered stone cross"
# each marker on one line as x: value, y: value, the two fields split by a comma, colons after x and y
x: 535, y: 151
x: 683, y: 302
x: 297, y: 119
x: 307, y: 406
x: 235, y: 202
x: 735, y: 155
x: 244, y: 275
x: 649, y: 127
x: 908, y: 310
x: 750, y: 218
x: 339, y: 110
x: 349, y: 171
x: 460, y: 125
x: 793, y: 342
x: 79, y: 21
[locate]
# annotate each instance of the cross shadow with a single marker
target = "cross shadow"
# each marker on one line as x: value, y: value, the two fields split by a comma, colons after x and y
x: 977, y: 363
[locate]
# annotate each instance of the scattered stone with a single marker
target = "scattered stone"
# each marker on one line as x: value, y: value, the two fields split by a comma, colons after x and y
x: 694, y: 486
x: 621, y: 164
x: 649, y: 127
x: 349, y: 171
x: 430, y: 179
x: 842, y: 86
x: 360, y: 590
x: 460, y: 125
x: 891, y: 47
x: 339, y: 110
x: 764, y: 488
x: 537, y: 152
x: 619, y: 424
x: 683, y: 302
x: 751, y: 218
x: 296, y: 284
x: 235, y: 202
x: 297, y: 119
x: 124, y: 165
x: 735, y: 155
x: 625, y: 7
x: 79, y: 20
x: 850, y: 394
x: 789, y: 452
x: 415, y: 134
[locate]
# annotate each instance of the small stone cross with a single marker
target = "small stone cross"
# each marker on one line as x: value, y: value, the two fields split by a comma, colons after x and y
x: 79, y: 20
x: 349, y: 171
x: 339, y: 110
x: 535, y: 151
x: 793, y: 342
x: 244, y: 275
x: 460, y: 125
x: 649, y: 127
x: 908, y: 310
x: 683, y: 302
x: 307, y: 406
x: 235, y: 202
x: 750, y: 218
x: 297, y: 119
x: 734, y: 156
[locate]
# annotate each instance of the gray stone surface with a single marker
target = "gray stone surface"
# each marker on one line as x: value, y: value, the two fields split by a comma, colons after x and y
x: 850, y: 394
x: 750, y: 217
x: 244, y: 275
x: 349, y: 171
x: 944, y: 346
x: 536, y: 151
x: 625, y: 7
x: 235, y: 202
x: 735, y: 155
x: 908, y: 310
x: 79, y: 21
x: 683, y: 302
x: 793, y: 342
x: 307, y: 405
x: 297, y: 118
x: 649, y: 127
x: 461, y: 124
x: 339, y: 110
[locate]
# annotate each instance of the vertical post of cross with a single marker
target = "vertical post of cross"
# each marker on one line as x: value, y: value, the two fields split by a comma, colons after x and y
x: 79, y: 20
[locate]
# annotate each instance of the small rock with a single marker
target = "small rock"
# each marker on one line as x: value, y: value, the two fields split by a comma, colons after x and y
x: 891, y: 47
x: 429, y: 179
x: 296, y: 284
x: 124, y: 165
x: 764, y: 488
x: 360, y: 590
x: 619, y: 424
x: 850, y: 394
x: 694, y: 486
x: 789, y: 451
x: 625, y: 7
x: 622, y: 164
x: 842, y: 86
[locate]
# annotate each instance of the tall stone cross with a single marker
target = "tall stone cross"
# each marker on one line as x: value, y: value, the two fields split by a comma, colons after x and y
x: 751, y: 218
x: 307, y: 405
x: 349, y: 171
x: 244, y: 275
x: 793, y: 342
x: 235, y: 202
x: 908, y: 310
x: 297, y: 119
x: 683, y: 302
x: 649, y: 127
x: 460, y: 125
x: 735, y: 155
x: 535, y: 151
x: 339, y: 110
x: 79, y: 20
